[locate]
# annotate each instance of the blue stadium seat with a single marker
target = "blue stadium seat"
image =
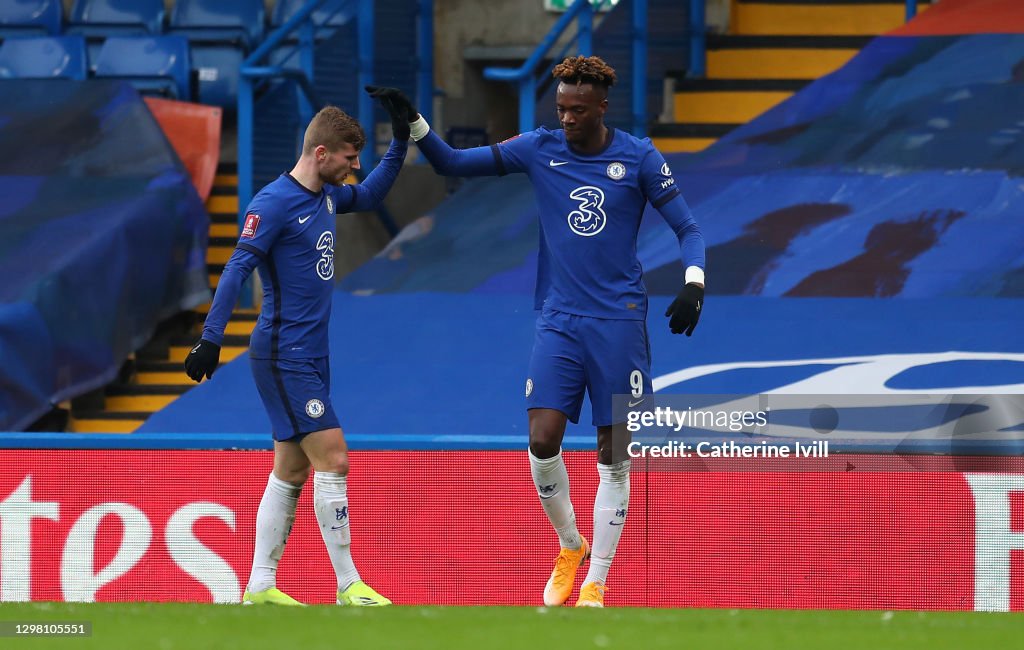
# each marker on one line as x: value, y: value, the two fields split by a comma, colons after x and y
x: 43, y: 57
x: 154, y: 64
x: 221, y: 33
x: 217, y: 72
x: 333, y: 13
x: 30, y: 17
x: 236, y: 22
x: 98, y: 19
x: 116, y: 17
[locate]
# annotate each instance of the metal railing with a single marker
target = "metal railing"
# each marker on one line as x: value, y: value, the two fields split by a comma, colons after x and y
x: 526, y: 75
x: 582, y: 12
x: 911, y: 9
x: 254, y: 71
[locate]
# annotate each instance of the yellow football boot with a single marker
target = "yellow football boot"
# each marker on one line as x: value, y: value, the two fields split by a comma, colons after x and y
x: 559, y: 586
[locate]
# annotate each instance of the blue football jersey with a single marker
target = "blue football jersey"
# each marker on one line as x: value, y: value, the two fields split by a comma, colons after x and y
x: 590, y: 209
x: 291, y: 230
x: 288, y: 237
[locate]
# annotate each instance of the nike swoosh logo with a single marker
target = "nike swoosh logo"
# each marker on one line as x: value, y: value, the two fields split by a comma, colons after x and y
x: 639, y: 401
x: 336, y: 527
x: 545, y: 498
x: 305, y: 219
x: 612, y: 523
x: 558, y: 164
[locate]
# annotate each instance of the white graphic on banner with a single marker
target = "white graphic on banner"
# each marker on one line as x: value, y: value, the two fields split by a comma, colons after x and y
x: 16, y: 514
x: 860, y: 374
x: 994, y: 539
x: 79, y: 579
x: 194, y: 557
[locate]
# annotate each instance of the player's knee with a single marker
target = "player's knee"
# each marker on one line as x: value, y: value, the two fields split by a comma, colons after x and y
x: 294, y: 475
x: 612, y: 445
x: 337, y: 463
x: 544, y: 444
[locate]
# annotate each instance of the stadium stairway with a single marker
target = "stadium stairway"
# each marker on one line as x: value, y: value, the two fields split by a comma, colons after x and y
x: 776, y: 48
x: 153, y: 377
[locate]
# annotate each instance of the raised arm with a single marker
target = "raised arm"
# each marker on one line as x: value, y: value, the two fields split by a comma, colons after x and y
x: 369, y: 194
x: 479, y: 161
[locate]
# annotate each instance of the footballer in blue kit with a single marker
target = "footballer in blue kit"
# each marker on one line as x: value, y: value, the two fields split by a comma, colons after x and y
x: 592, y: 183
x: 288, y: 237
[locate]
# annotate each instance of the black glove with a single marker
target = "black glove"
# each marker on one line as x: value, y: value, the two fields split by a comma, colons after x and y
x: 202, y: 360
x: 685, y: 309
x: 398, y: 107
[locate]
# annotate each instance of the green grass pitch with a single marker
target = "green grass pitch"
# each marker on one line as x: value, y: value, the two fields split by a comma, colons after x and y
x: 195, y: 627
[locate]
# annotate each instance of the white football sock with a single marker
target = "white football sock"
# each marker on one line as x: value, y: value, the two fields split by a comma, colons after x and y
x: 330, y: 500
x: 552, y: 483
x: 610, y: 507
x: 274, y: 520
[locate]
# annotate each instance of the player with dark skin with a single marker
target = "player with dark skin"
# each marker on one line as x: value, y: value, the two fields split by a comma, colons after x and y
x: 581, y: 108
x: 592, y: 183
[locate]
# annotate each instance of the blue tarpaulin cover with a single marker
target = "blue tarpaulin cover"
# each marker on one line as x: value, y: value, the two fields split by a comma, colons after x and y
x: 101, y: 236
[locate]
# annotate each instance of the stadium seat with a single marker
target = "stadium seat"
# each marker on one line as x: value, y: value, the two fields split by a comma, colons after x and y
x: 220, y: 33
x: 116, y: 17
x: 217, y: 73
x: 332, y: 13
x: 236, y: 22
x: 98, y: 19
x: 43, y: 57
x: 154, y: 64
x: 30, y: 17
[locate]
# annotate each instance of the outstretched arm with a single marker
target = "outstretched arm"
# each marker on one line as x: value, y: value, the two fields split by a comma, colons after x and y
x: 479, y: 161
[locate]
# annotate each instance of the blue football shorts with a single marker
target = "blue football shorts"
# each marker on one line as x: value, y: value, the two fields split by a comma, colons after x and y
x: 573, y: 354
x: 296, y: 394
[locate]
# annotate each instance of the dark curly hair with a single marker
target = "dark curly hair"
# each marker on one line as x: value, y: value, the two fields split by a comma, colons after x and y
x: 585, y: 70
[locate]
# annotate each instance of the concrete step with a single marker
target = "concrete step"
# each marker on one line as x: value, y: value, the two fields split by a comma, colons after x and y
x: 814, y: 17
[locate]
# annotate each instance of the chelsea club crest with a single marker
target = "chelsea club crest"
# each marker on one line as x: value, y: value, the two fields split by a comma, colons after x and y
x: 616, y: 171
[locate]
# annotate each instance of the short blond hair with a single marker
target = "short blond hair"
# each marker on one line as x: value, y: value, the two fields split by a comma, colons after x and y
x: 333, y: 127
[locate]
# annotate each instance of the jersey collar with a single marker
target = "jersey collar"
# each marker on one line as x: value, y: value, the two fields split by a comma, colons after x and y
x: 301, y: 186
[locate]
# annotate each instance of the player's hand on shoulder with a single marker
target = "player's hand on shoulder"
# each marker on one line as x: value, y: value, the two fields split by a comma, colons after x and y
x: 399, y: 108
x: 684, y: 312
x: 202, y: 360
